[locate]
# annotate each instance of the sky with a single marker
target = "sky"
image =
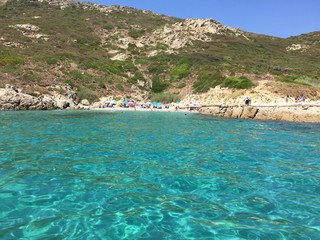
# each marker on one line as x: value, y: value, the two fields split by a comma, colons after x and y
x: 280, y: 18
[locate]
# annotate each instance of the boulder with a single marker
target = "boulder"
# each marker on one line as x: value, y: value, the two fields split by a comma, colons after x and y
x: 249, y: 112
x: 237, y: 112
x: 85, y: 102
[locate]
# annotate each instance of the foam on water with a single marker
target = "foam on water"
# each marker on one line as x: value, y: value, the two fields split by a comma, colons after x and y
x: 149, y: 175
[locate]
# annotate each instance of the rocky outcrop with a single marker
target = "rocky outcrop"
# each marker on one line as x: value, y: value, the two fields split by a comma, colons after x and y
x: 298, y: 47
x: 174, y: 36
x: 184, y: 33
x: 12, y: 98
x: 3, y: 2
x: 268, y: 102
x: 30, y: 30
x: 298, y: 113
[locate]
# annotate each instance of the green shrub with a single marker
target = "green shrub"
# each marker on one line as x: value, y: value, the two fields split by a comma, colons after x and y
x: 157, y: 68
x: 238, y: 83
x: 207, y: 79
x: 288, y: 79
x: 52, y: 61
x: 165, y: 97
x: 86, y: 93
x: 90, y: 40
x: 304, y: 80
x: 84, y: 77
x: 161, y: 46
x: 179, y: 72
x: 10, y: 59
x: 102, y: 85
x: 137, y: 76
x: 158, y: 85
x: 131, y: 47
x: 142, y: 61
x: 108, y: 27
x: 119, y: 87
x: 76, y: 75
x: 311, y: 81
x: 65, y: 56
x: 128, y: 66
x: 90, y: 64
x: 258, y: 69
x: 278, y: 70
x: 69, y: 82
x: 136, y: 33
x: 182, y: 85
x: 112, y: 68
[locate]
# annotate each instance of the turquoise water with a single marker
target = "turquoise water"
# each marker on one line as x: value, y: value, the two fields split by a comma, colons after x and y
x: 151, y: 175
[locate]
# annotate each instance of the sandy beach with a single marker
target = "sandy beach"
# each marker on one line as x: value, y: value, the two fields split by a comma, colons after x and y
x: 140, y: 109
x: 292, y: 112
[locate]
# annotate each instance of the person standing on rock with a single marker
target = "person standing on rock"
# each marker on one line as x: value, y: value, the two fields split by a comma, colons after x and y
x: 247, y: 101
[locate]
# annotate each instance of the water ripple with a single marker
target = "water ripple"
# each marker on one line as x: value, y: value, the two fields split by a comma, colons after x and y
x: 101, y: 175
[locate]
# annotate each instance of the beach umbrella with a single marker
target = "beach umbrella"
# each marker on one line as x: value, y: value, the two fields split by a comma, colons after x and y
x: 131, y: 104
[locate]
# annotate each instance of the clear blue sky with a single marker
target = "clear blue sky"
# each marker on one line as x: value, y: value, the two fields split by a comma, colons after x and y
x: 282, y: 18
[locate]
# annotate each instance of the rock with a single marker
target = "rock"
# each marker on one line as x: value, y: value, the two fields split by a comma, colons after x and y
x: 119, y: 57
x: 237, y: 112
x: 184, y: 33
x: 249, y: 112
x: 297, y: 47
x: 63, y: 102
x: 46, y: 103
x: 12, y: 98
x: 27, y: 27
x: 85, y: 102
x: 280, y: 113
x: 82, y: 107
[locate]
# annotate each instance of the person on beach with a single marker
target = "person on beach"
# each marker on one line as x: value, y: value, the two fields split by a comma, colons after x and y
x: 302, y: 98
x: 247, y: 101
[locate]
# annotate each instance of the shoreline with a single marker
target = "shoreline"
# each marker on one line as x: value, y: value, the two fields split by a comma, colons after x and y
x: 139, y: 109
x: 300, y: 112
x: 305, y: 112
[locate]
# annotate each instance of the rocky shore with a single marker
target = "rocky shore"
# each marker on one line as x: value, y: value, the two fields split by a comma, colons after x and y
x: 57, y: 97
x: 300, y: 112
x: 63, y: 97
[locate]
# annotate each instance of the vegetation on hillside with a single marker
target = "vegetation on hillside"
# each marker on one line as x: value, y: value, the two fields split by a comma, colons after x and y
x: 79, y: 44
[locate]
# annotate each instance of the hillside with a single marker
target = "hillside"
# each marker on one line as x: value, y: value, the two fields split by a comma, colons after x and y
x: 124, y: 52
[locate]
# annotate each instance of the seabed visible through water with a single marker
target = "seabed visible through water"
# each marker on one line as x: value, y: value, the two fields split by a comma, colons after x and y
x: 152, y: 175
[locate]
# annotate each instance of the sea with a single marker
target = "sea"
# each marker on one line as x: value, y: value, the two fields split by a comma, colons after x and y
x: 155, y: 175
